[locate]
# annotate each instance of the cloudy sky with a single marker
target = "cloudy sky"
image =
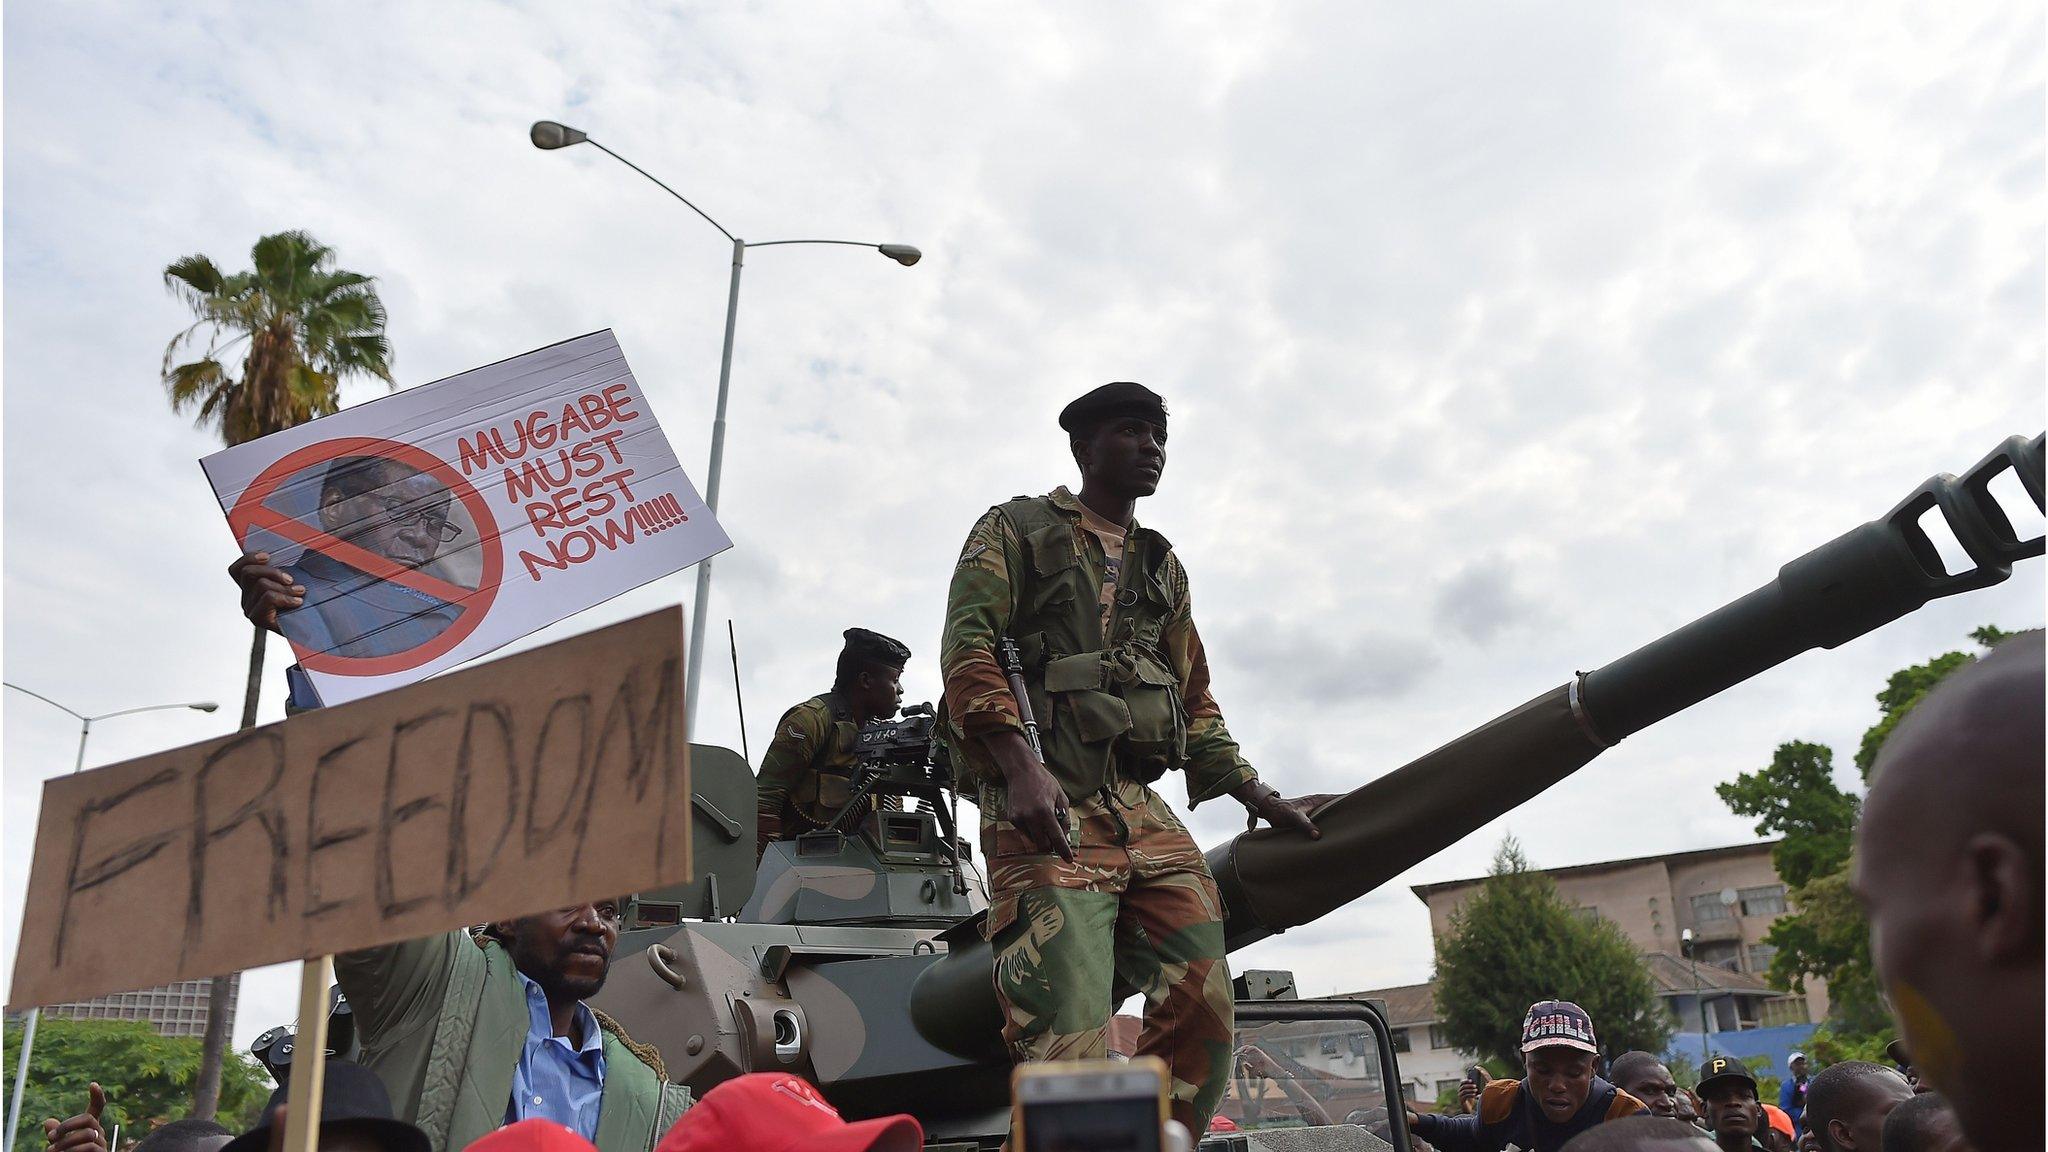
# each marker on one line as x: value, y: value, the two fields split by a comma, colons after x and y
x: 1499, y: 338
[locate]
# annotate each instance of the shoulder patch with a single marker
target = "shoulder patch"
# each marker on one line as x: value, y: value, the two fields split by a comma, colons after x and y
x: 972, y: 552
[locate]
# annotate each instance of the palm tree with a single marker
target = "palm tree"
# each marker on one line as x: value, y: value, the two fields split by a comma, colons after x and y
x: 308, y: 325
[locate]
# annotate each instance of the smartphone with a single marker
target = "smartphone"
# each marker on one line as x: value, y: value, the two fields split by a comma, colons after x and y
x: 1089, y: 1106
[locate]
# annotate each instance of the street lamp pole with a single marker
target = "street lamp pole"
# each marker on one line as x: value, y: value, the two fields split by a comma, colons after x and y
x: 547, y: 135
x: 1698, y: 997
x: 702, y: 603
x: 28, y: 1024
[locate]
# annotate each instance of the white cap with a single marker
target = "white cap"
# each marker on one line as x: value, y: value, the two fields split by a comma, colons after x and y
x: 1794, y: 1058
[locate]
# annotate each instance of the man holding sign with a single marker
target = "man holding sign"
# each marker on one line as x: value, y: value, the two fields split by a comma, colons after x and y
x: 473, y: 1033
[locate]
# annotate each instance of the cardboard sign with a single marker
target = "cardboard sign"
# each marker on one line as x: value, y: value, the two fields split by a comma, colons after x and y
x: 433, y: 525
x: 529, y: 783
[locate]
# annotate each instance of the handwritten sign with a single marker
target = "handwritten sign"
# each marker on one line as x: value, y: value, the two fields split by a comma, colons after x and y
x: 524, y: 784
x: 433, y: 525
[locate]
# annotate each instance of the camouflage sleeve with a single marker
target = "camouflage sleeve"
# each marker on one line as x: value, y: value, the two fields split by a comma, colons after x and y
x: 979, y: 603
x: 1215, y: 765
x: 799, y: 735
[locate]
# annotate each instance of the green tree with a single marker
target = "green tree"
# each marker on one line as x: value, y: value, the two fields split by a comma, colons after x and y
x: 148, y: 1078
x: 1905, y: 689
x: 1516, y: 942
x: 1796, y: 798
x: 306, y: 326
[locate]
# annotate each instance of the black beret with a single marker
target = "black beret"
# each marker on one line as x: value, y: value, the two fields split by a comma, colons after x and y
x: 874, y: 646
x: 1122, y: 398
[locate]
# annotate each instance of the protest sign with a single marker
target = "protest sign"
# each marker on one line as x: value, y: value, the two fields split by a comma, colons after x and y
x: 524, y: 784
x: 433, y: 525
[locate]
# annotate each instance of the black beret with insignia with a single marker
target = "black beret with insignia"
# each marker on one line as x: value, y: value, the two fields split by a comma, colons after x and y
x: 876, y: 648
x: 1111, y: 401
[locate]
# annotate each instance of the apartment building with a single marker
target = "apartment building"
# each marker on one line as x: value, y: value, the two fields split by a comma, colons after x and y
x: 1729, y: 898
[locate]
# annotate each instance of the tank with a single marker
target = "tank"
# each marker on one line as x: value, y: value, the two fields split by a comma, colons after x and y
x: 855, y: 956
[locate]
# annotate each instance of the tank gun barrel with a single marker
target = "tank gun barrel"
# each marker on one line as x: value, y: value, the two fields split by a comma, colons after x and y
x: 1855, y: 583
x: 1272, y: 881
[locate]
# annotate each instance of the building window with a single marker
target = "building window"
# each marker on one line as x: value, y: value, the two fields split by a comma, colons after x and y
x: 1720, y: 953
x: 1780, y: 1010
x: 1760, y: 957
x: 1587, y: 912
x: 1766, y: 901
x: 1707, y: 906
x: 1400, y: 1036
x: 1448, y: 1087
x: 1438, y: 1038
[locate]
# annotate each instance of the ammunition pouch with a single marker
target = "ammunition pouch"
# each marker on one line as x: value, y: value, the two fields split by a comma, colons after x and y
x: 1104, y: 711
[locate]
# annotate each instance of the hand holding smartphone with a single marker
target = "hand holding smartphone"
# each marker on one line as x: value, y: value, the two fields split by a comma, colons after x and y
x: 1089, y: 1106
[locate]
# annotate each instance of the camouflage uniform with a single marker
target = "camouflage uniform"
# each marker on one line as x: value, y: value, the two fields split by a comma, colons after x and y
x: 807, y: 772
x: 1116, y: 711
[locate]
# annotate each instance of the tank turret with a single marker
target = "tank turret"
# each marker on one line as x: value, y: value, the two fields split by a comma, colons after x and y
x: 859, y: 961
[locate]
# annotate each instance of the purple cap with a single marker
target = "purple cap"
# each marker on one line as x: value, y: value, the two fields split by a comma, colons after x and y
x: 1557, y: 1024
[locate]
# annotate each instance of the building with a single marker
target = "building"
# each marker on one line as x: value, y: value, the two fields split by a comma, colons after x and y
x: 1729, y: 898
x: 178, y: 1009
x: 1429, y: 1065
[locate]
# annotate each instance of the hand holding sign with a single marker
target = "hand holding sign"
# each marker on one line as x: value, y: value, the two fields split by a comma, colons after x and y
x: 405, y: 535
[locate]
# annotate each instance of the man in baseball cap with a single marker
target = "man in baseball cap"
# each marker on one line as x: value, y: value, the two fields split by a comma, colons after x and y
x: 1557, y: 1098
x: 777, y: 1112
x: 1728, y: 1090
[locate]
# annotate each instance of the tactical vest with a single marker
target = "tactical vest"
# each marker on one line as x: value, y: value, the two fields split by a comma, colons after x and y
x: 1106, y: 706
x: 819, y: 794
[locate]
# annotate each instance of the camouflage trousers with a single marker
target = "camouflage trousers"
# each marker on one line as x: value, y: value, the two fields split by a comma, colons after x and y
x: 1137, y: 904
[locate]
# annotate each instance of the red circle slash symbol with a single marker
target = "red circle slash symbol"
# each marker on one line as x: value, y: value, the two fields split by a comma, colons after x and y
x: 252, y: 511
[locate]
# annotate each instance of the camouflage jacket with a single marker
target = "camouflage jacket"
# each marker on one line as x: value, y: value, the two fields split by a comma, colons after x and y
x: 807, y: 773
x: 992, y: 584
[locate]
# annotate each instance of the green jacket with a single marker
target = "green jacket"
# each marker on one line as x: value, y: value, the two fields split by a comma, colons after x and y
x: 1132, y: 701
x: 443, y: 1020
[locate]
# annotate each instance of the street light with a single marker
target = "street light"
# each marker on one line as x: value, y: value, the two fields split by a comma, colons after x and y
x: 28, y: 1025
x: 548, y: 135
x: 1699, y: 999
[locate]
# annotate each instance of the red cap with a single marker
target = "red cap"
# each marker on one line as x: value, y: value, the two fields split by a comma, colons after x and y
x: 535, y: 1135
x: 777, y: 1112
x: 1781, y: 1123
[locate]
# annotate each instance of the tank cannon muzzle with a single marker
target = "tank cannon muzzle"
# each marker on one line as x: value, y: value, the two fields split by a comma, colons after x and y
x: 1853, y: 584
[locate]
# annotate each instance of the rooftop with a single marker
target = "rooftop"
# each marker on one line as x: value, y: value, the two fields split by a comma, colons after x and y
x: 1406, y: 1005
x: 1412, y: 1004
x: 1673, y: 976
x: 1424, y: 891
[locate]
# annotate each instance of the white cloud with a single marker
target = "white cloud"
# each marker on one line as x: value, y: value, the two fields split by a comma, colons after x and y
x: 1499, y: 339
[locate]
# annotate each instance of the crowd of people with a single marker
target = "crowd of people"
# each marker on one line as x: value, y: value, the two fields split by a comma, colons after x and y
x: 486, y: 1039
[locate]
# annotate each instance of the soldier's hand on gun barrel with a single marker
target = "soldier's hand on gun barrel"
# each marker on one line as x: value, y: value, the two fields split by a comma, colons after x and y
x: 266, y: 591
x: 1264, y: 800
x: 1035, y: 804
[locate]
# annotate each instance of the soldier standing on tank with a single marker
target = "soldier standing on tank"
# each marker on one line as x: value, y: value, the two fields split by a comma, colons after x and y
x: 1091, y: 876
x: 807, y: 773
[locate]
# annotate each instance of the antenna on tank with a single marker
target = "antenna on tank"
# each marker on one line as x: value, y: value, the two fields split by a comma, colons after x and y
x: 739, y: 700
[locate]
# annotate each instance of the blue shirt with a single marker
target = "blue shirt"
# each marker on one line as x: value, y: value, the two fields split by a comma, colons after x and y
x: 1792, y: 1099
x: 555, y: 1078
